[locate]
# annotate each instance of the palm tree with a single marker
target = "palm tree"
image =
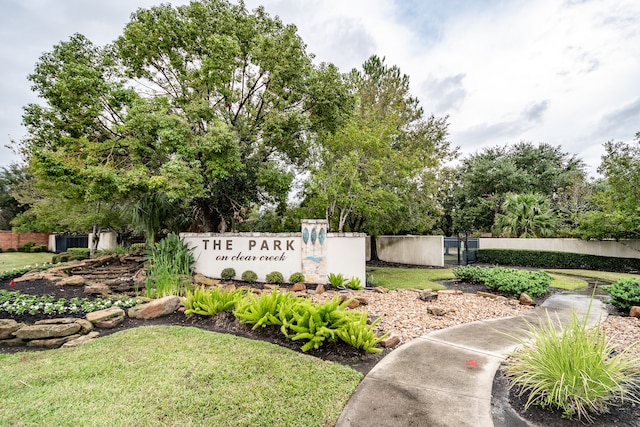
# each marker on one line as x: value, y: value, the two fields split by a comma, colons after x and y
x: 525, y: 215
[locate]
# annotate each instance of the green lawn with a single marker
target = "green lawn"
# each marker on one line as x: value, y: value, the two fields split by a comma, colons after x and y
x: 606, y: 276
x: 11, y: 260
x: 414, y: 278
x: 567, y: 282
x: 167, y: 376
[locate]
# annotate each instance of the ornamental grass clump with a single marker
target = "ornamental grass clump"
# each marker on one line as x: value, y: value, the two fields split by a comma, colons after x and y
x: 573, y: 370
x: 209, y: 302
x: 171, y: 264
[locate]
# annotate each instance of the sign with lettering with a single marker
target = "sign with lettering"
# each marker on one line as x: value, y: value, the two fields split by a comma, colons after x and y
x: 313, y: 252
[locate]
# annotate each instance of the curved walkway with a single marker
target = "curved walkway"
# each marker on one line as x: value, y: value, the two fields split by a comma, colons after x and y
x: 444, y: 378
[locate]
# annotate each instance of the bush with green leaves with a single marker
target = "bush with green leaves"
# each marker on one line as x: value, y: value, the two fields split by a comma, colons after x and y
x: 296, y: 278
x: 573, y: 370
x: 269, y: 308
x: 625, y: 293
x: 354, y: 283
x: 228, y: 273
x: 171, y: 265
x: 249, y: 276
x: 275, y: 278
x: 209, y: 302
x: 507, y: 280
x: 359, y: 334
x: 550, y: 259
x: 15, y: 303
x: 301, y: 319
x: 336, y: 280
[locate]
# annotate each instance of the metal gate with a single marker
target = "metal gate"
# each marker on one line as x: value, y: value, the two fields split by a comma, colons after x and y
x: 66, y: 241
x: 460, y: 250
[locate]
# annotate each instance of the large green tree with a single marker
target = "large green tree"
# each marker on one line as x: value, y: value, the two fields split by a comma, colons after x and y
x: 208, y: 104
x: 12, y: 178
x: 615, y: 208
x: 376, y: 173
x: 484, y: 178
x: 525, y: 215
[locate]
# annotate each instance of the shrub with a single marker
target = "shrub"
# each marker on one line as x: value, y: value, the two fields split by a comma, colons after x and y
x: 550, y: 259
x: 275, y: 278
x: 210, y: 302
x: 266, y: 309
x: 509, y: 281
x: 39, y: 248
x: 336, y: 280
x: 359, y: 334
x: 296, y: 278
x: 354, y: 283
x: 26, y: 247
x: 228, y: 273
x: 573, y: 370
x: 249, y: 276
x: 625, y: 293
x: 11, y: 249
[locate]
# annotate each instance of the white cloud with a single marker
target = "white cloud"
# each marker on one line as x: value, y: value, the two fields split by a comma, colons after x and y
x: 563, y: 72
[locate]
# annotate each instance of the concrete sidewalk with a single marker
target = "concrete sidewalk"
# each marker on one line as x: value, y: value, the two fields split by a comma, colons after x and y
x: 444, y: 379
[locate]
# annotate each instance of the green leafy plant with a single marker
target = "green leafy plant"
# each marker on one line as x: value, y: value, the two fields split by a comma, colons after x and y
x: 270, y: 308
x: 22, y: 270
x: 209, y: 302
x: 228, y: 273
x: 249, y: 276
x: 275, y: 278
x: 336, y: 280
x: 509, y: 281
x: 371, y: 280
x: 15, y: 303
x: 296, y: 278
x: 354, y: 283
x: 359, y: 334
x: 170, y: 267
x: 573, y: 370
x: 625, y: 293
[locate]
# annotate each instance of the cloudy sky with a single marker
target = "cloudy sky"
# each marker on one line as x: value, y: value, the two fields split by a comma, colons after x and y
x: 564, y: 72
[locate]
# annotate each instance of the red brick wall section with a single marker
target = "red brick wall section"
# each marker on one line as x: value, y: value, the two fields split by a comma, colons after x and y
x: 10, y: 239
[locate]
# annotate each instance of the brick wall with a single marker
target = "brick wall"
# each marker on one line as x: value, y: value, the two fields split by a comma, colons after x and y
x: 10, y: 239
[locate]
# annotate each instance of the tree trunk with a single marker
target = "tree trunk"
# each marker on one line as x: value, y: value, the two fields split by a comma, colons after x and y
x: 95, y: 239
x: 374, y: 249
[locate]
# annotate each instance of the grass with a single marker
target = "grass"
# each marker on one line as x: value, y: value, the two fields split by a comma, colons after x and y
x: 568, y: 283
x: 606, y: 276
x: 11, y: 260
x: 166, y: 376
x: 573, y: 370
x: 414, y: 278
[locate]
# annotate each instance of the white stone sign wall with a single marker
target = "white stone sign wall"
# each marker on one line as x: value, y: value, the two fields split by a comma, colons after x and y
x: 313, y: 252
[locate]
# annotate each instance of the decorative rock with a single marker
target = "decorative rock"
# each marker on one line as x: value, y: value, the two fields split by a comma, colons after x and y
x: 230, y: 287
x: 297, y: 287
x: 436, y: 311
x: 354, y: 304
x: 97, y: 289
x: 380, y: 290
x: 81, y: 340
x: 85, y: 326
x: 51, y: 342
x: 72, y: 281
x: 362, y: 300
x: 635, y: 311
x: 450, y: 292
x: 201, y: 279
x: 110, y: 323
x: 57, y: 321
x: 391, y: 341
x: 486, y: 295
x: 320, y: 289
x: 270, y: 287
x: 106, y: 314
x: 526, y: 299
x: 8, y: 327
x: 428, y: 295
x: 140, y: 278
x: 156, y: 308
x: 13, y: 342
x: 45, y: 331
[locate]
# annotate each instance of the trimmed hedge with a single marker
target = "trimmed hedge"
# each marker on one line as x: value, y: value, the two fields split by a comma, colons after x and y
x: 549, y: 259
